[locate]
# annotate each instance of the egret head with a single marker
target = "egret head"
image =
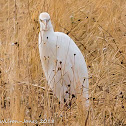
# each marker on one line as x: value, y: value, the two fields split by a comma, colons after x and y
x: 45, y: 22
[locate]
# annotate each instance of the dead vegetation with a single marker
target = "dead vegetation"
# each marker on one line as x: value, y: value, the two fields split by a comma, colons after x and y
x: 99, y: 29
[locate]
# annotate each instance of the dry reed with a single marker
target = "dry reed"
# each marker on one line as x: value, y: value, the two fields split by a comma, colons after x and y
x: 99, y: 29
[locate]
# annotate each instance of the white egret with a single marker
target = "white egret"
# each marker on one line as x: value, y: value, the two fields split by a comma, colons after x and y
x: 62, y: 61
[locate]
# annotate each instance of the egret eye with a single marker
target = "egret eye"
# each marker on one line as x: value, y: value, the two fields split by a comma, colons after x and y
x: 42, y: 21
x: 48, y: 20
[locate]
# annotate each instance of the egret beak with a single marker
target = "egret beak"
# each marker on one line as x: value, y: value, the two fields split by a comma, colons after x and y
x: 45, y: 23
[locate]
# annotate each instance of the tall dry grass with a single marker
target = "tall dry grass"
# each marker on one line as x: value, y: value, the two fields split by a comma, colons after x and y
x: 99, y: 29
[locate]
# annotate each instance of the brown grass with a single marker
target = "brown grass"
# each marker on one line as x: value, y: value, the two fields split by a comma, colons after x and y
x: 99, y: 29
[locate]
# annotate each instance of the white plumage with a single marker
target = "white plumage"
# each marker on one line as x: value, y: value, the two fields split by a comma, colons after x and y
x: 62, y: 61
